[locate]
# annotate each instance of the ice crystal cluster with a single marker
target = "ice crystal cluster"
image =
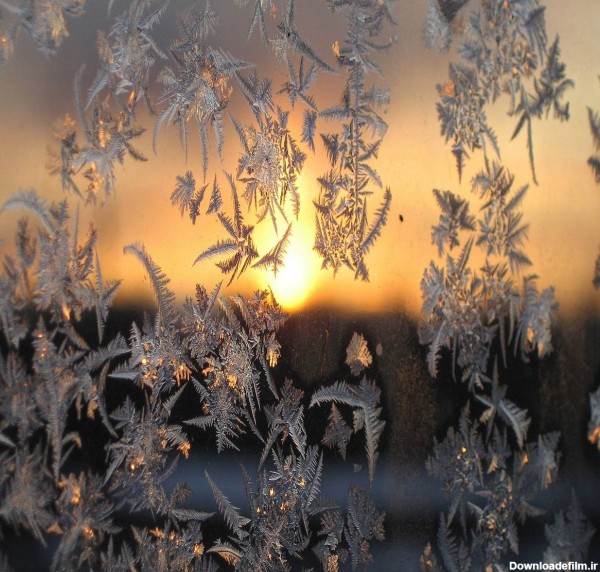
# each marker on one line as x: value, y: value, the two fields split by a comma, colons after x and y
x: 594, y: 163
x: 201, y: 373
x: 197, y: 80
x: 215, y: 353
x: 491, y: 472
x: 505, y: 51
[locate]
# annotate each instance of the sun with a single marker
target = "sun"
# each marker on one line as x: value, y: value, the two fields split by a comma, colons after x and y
x: 293, y: 282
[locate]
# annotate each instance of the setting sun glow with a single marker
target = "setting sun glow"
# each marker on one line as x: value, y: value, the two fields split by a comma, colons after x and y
x: 293, y: 282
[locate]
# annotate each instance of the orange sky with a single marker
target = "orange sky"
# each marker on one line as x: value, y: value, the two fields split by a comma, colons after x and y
x: 563, y: 211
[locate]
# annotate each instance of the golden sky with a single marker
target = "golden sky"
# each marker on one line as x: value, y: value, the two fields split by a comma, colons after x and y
x: 563, y: 211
